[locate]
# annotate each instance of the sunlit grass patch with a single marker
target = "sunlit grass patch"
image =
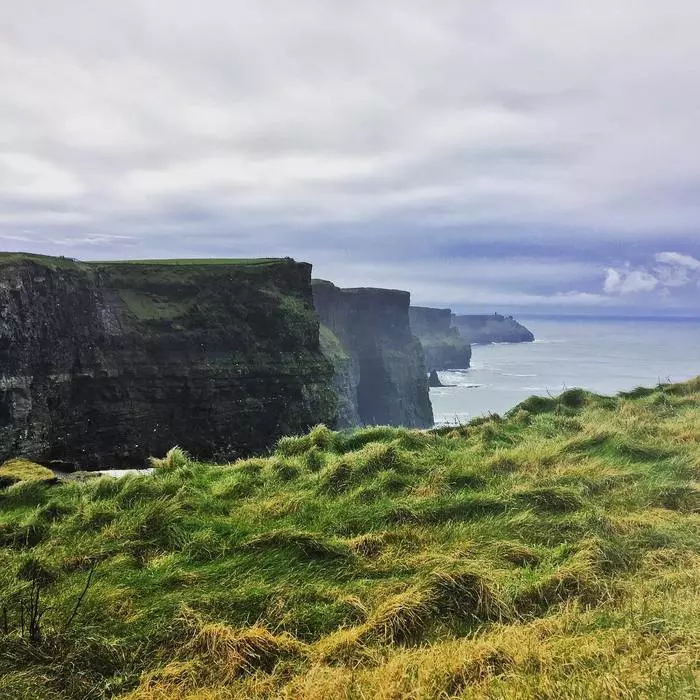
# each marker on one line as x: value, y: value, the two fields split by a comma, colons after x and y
x: 19, y: 470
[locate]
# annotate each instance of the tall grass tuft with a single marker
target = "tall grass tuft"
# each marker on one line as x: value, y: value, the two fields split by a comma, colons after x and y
x: 175, y: 458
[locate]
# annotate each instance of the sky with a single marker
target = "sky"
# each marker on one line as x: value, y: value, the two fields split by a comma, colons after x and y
x: 522, y: 156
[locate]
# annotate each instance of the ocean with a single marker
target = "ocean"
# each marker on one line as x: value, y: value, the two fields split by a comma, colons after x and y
x: 602, y: 355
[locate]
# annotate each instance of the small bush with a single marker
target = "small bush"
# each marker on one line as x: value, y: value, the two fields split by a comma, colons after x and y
x: 573, y: 398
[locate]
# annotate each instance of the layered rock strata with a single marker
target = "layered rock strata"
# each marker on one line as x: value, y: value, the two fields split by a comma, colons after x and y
x: 102, y: 365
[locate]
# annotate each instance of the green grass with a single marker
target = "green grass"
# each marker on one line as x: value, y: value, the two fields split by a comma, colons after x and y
x: 331, y: 346
x: 50, y: 261
x: 553, y: 553
x: 188, y: 262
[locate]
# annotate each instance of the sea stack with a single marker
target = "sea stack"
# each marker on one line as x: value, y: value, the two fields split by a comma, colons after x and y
x: 434, y: 380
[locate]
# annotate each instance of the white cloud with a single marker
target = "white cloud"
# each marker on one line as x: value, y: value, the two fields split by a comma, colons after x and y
x: 627, y: 281
x: 678, y: 259
x: 672, y: 270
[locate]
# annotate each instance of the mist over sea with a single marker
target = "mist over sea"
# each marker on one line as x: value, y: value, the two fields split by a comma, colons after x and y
x: 602, y: 355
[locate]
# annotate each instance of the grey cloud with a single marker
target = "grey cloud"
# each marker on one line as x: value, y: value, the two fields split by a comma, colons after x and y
x: 281, y: 123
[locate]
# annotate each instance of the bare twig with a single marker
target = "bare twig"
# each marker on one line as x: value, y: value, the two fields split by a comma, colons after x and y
x: 69, y: 621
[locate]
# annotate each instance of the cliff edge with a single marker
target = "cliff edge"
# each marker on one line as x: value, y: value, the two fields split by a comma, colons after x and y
x: 380, y: 370
x: 443, y: 346
x: 493, y: 328
x: 104, y: 364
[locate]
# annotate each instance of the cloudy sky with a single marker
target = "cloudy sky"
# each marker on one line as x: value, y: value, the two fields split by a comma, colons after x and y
x: 513, y: 155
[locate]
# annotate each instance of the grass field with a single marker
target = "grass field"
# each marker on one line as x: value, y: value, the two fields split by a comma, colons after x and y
x: 63, y: 262
x: 550, y: 554
x: 188, y: 262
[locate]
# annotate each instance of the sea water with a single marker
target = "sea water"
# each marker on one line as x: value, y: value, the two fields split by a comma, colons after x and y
x: 602, y: 355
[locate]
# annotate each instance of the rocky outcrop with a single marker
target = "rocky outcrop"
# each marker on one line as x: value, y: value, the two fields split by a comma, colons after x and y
x: 494, y: 328
x: 106, y: 364
x: 434, y: 380
x: 380, y: 370
x: 443, y: 346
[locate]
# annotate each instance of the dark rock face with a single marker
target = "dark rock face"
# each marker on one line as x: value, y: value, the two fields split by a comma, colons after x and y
x: 443, y: 346
x: 492, y: 328
x: 102, y: 365
x: 380, y: 370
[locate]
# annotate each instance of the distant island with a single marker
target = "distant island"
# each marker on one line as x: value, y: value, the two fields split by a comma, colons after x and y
x: 481, y: 329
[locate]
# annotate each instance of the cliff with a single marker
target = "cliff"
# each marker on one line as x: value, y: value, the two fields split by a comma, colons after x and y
x: 443, y: 346
x: 494, y: 328
x: 105, y: 364
x: 380, y: 369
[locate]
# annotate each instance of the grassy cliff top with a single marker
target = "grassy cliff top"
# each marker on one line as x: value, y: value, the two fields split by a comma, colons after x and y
x: 60, y: 261
x: 47, y: 260
x: 188, y: 262
x: 553, y: 553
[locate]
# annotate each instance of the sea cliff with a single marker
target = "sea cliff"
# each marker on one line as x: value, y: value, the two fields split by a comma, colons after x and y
x: 380, y: 373
x: 443, y: 346
x: 105, y: 364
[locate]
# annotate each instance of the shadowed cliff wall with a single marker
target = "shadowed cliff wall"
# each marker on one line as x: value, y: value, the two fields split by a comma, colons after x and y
x: 106, y: 364
x: 384, y: 379
x: 443, y: 346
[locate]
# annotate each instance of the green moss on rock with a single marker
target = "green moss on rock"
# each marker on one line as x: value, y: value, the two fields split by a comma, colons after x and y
x: 15, y: 470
